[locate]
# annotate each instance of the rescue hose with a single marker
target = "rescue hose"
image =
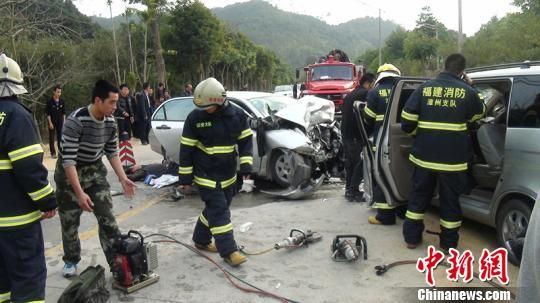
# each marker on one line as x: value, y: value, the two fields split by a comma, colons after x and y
x: 227, y: 273
x: 242, y: 249
x: 382, y: 269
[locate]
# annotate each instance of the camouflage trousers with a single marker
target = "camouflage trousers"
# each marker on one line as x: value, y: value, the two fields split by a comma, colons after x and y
x: 93, y: 180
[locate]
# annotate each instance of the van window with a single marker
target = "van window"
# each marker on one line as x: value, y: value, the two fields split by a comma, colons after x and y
x: 525, y: 103
x: 496, y: 94
x: 406, y: 92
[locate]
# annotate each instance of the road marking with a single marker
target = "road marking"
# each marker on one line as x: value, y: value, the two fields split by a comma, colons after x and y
x: 55, y: 250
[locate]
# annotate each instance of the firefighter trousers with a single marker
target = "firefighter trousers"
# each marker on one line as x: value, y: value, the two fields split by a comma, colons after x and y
x: 215, y: 220
x: 22, y: 265
x: 386, y: 214
x: 451, y: 186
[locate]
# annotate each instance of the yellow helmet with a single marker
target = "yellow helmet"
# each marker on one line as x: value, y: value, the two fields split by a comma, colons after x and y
x: 387, y: 70
x: 209, y: 92
x: 11, y: 77
x: 387, y: 67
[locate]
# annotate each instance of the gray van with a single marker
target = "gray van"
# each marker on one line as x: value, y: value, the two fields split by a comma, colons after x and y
x: 505, y: 171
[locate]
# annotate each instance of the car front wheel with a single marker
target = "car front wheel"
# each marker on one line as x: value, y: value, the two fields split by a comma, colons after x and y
x: 281, y: 168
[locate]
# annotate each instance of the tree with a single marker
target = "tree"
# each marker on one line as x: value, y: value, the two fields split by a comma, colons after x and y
x: 193, y: 22
x: 427, y: 23
x: 117, y: 75
x: 395, y: 43
x: 529, y: 5
x: 155, y: 9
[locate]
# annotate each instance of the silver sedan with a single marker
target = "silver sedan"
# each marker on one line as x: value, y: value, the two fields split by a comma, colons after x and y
x: 168, y: 122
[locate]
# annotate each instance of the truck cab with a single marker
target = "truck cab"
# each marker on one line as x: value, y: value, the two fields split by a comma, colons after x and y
x: 332, y: 80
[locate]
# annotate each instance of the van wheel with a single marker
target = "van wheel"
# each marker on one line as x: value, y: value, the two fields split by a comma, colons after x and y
x: 281, y: 168
x: 513, y: 220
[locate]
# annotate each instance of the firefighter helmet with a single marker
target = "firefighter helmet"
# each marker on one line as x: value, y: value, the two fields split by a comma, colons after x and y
x: 387, y: 70
x: 11, y: 78
x: 209, y: 92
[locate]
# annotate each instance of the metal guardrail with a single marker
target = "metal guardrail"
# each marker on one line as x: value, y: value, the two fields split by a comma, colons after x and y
x: 524, y: 64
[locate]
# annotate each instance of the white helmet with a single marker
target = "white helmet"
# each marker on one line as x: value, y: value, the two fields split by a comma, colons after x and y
x: 11, y: 78
x: 387, y: 70
x: 209, y: 92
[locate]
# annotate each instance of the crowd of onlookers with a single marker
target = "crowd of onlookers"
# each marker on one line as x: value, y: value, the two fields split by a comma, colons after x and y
x: 133, y: 113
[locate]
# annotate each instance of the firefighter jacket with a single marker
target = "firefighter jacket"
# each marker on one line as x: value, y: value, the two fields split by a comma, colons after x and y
x: 377, y: 100
x: 24, y: 187
x: 439, y: 111
x: 208, y: 154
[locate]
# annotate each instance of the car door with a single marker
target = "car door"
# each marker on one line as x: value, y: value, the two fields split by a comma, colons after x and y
x: 394, y: 145
x: 367, y: 153
x: 168, y: 124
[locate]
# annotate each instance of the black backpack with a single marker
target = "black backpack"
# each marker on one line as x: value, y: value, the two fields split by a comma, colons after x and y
x: 88, y: 287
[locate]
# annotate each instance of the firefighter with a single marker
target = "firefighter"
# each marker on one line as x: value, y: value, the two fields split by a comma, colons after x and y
x: 208, y: 158
x: 377, y: 100
x: 27, y: 195
x: 438, y: 111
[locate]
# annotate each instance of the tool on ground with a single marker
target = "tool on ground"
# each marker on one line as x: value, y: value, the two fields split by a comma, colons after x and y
x: 228, y: 275
x: 134, y: 262
x: 348, y: 248
x: 298, y: 238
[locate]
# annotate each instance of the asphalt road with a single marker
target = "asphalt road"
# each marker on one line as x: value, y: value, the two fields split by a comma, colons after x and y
x: 305, y: 274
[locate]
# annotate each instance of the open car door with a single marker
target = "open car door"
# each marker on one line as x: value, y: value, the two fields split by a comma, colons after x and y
x: 393, y: 167
x: 367, y: 152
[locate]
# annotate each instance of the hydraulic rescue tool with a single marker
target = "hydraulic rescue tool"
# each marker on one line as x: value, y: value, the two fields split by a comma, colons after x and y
x: 134, y: 262
x: 298, y: 238
x: 348, y: 248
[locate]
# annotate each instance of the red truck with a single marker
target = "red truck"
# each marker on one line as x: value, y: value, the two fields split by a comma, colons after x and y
x: 332, y: 78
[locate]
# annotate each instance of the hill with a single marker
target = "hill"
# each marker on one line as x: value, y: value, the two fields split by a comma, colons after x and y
x: 294, y: 37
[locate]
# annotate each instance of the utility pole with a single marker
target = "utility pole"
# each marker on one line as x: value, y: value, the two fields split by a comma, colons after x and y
x: 460, y: 35
x: 380, y: 38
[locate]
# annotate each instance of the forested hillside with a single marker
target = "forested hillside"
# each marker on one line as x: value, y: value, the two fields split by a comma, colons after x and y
x: 295, y: 37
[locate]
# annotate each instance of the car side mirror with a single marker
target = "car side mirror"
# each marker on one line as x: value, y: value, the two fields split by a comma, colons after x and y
x: 253, y: 123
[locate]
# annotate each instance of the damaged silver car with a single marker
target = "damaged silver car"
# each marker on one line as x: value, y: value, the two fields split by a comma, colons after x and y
x: 297, y: 143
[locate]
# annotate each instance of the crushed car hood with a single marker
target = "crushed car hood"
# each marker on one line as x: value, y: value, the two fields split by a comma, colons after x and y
x: 308, y: 111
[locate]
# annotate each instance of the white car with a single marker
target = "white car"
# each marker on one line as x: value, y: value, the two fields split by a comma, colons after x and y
x: 284, y: 90
x: 295, y: 142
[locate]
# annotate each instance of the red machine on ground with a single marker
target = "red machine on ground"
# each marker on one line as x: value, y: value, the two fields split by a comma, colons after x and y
x: 332, y: 78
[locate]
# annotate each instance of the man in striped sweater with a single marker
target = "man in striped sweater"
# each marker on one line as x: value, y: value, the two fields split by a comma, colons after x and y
x: 81, y: 176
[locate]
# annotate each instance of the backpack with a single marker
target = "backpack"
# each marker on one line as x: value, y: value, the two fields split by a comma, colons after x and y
x: 88, y: 287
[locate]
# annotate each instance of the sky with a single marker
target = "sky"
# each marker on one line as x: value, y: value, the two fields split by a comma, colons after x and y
x: 403, y: 12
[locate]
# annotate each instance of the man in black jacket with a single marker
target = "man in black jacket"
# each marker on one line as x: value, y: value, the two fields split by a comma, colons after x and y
x: 56, y: 115
x: 124, y: 113
x: 208, y: 158
x: 27, y: 195
x: 438, y: 112
x: 351, y: 139
x: 144, y: 112
x: 188, y: 90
